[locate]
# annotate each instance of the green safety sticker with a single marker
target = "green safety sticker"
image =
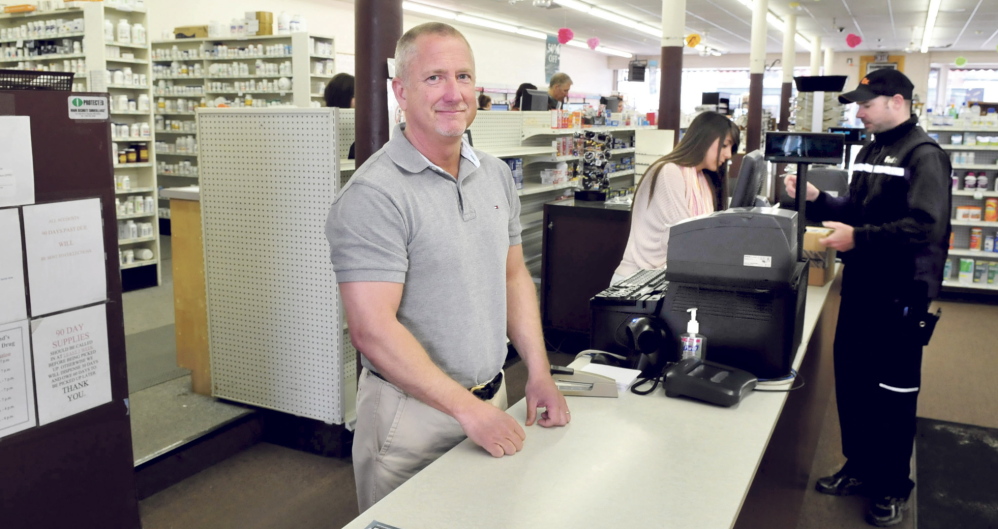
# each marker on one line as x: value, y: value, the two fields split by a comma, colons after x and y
x: 88, y: 107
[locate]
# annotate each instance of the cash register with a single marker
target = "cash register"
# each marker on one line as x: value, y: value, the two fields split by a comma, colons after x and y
x: 742, y: 268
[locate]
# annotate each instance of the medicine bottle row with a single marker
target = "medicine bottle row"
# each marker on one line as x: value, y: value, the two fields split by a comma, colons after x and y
x: 43, y: 29
x: 129, y: 229
x: 135, y: 205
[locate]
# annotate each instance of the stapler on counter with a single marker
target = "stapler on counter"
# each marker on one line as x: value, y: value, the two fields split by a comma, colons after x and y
x: 572, y: 382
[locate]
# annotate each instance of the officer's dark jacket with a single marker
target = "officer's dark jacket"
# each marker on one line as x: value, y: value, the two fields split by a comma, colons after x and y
x: 899, y: 205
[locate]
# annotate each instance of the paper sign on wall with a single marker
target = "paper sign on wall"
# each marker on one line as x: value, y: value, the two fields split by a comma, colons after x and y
x: 17, y: 169
x: 65, y: 253
x: 11, y: 268
x: 72, y: 367
x: 17, y: 391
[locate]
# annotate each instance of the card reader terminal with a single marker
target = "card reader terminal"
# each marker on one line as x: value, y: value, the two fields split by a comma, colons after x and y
x: 708, y: 381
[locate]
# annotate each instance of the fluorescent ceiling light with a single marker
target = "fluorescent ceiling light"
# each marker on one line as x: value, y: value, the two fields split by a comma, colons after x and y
x: 775, y: 22
x: 930, y: 24
x: 800, y: 39
x: 429, y: 10
x: 645, y: 28
x: 611, y: 51
x: 531, y: 33
x: 577, y: 44
x: 613, y: 17
x: 574, y: 4
x: 485, y: 23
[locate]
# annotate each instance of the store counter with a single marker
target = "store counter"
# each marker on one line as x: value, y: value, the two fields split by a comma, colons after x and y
x: 189, y: 306
x: 640, y: 461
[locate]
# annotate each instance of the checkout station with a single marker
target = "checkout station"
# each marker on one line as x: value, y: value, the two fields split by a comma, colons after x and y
x: 729, y: 450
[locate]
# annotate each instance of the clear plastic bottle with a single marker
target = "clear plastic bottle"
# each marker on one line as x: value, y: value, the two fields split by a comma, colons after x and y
x: 108, y: 30
x: 693, y: 343
x: 138, y: 34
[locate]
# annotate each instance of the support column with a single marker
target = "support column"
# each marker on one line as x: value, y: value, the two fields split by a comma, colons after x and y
x: 757, y: 68
x: 671, y: 83
x: 816, y: 55
x: 829, y: 61
x: 377, y: 26
x: 789, y: 57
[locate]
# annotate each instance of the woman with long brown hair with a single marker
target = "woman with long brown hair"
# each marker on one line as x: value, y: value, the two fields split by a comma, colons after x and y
x: 687, y: 182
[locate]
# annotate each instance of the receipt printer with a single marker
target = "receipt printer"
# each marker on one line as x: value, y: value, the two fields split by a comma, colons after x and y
x: 708, y: 381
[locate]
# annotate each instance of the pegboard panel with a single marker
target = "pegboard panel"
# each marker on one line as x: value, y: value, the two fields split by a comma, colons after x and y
x: 496, y: 130
x: 346, y: 129
x: 268, y: 178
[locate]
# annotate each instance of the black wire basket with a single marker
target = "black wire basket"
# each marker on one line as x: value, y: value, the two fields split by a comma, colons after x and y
x: 32, y: 80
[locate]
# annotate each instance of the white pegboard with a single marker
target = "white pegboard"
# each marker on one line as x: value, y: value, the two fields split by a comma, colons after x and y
x: 346, y: 123
x: 494, y: 131
x: 268, y: 178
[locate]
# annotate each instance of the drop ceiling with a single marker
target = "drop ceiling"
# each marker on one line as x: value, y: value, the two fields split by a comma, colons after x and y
x: 884, y: 25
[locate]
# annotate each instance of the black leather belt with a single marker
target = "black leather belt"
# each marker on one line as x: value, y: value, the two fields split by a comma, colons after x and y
x: 484, y: 391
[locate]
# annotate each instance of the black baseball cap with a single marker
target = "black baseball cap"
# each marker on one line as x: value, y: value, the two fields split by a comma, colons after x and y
x: 883, y: 82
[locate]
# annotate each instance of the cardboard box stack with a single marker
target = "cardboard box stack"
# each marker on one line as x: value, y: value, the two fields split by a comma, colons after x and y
x: 820, y: 257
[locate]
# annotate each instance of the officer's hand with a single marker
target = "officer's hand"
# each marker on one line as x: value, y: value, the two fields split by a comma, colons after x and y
x: 841, y: 239
x: 790, y: 182
x: 493, y: 429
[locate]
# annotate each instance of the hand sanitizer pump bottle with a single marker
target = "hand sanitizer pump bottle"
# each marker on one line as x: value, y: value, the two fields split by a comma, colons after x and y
x: 694, y: 344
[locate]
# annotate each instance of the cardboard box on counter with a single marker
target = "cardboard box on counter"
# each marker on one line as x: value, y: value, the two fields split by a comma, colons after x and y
x: 191, y: 32
x: 820, y: 258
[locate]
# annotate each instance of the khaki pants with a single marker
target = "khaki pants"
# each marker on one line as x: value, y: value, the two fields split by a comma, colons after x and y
x: 397, y: 436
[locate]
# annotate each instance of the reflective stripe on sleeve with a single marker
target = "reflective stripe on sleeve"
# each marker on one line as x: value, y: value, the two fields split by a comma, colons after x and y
x: 898, y: 390
x: 883, y: 169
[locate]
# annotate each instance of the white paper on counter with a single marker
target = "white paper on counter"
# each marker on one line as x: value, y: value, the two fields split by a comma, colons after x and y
x: 17, y: 390
x: 72, y: 364
x: 17, y: 169
x: 13, y: 307
x: 65, y: 249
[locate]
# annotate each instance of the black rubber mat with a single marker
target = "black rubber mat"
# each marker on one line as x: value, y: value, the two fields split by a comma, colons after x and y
x: 957, y: 475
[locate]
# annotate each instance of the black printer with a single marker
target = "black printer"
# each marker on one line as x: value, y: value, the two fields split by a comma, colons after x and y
x: 740, y: 268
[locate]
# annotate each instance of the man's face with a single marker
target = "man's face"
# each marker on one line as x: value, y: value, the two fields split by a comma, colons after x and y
x: 560, y: 91
x: 879, y: 114
x: 438, y: 94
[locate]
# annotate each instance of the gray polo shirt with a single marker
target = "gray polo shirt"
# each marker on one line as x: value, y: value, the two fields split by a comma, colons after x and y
x: 401, y: 219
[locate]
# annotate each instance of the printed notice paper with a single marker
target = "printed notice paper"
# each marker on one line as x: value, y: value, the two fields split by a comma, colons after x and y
x: 17, y: 170
x: 17, y: 392
x: 11, y: 268
x: 72, y: 368
x: 65, y: 248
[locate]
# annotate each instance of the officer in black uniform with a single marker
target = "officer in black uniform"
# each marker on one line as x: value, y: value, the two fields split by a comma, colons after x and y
x: 892, y: 229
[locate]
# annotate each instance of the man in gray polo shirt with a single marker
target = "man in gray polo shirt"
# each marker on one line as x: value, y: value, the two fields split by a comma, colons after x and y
x: 425, y: 242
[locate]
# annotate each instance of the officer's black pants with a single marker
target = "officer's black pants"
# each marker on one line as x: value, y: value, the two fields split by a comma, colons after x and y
x: 878, y: 362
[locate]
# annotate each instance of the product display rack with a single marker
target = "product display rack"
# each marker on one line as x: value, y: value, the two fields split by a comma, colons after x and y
x: 985, y: 155
x: 528, y: 136
x: 193, y: 73
x: 102, y: 65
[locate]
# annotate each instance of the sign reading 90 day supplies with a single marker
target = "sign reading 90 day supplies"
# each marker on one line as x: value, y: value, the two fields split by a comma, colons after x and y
x: 88, y: 107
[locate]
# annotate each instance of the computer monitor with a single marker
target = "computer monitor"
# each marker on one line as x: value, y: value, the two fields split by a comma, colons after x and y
x: 500, y: 106
x: 751, y: 175
x: 534, y: 100
x: 804, y: 147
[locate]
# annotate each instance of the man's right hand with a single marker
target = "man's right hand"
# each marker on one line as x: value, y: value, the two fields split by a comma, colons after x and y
x: 790, y: 182
x: 493, y: 429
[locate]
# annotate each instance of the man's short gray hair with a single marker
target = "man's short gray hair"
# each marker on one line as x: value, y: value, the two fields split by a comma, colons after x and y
x: 559, y: 79
x: 405, y: 50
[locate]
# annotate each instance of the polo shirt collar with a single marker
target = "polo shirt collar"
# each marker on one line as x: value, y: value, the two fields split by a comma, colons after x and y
x: 407, y: 157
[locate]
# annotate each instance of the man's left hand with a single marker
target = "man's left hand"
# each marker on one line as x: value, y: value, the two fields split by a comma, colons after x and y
x: 541, y: 392
x: 841, y: 239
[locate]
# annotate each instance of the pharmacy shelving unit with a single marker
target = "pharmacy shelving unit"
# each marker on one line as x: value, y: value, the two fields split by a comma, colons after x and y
x: 211, y: 72
x: 121, y: 69
x: 528, y: 136
x: 985, y: 153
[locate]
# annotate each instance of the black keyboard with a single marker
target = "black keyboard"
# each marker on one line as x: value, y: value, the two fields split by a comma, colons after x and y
x: 644, y: 285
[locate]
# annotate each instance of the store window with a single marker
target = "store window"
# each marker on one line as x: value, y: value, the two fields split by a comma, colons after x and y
x: 734, y: 81
x: 977, y: 84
